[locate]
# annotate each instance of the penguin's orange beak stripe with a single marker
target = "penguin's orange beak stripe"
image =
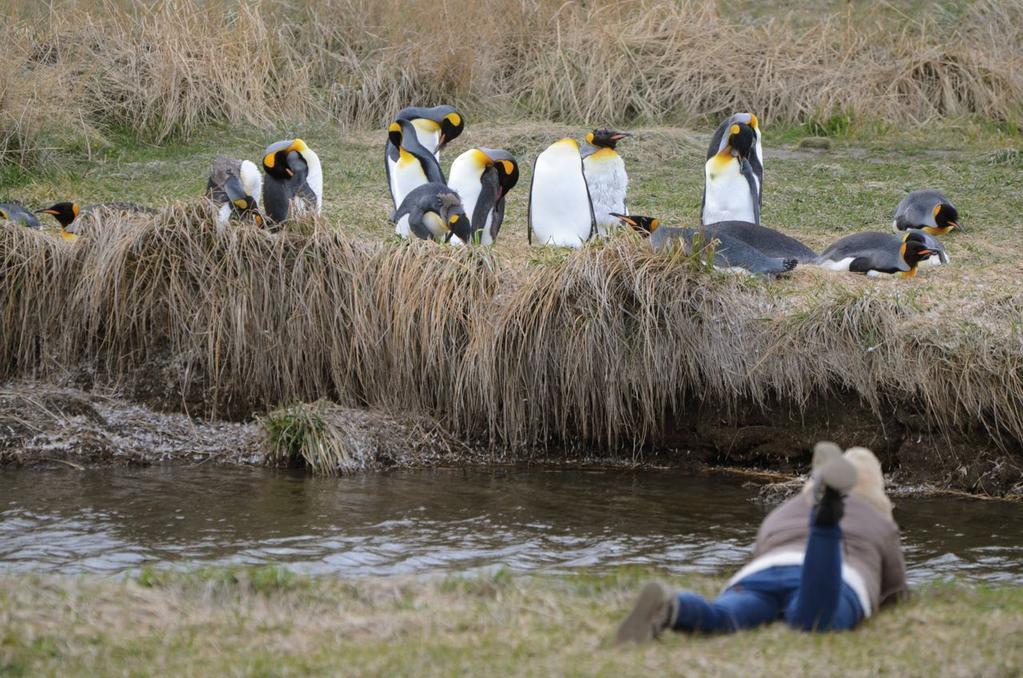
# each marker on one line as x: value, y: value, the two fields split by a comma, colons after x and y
x: 622, y: 217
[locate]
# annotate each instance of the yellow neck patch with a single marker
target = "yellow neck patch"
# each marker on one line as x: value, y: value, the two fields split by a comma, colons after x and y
x: 426, y: 126
x: 68, y: 235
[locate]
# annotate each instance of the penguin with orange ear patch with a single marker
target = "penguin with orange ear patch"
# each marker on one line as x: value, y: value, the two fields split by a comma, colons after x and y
x: 65, y: 213
x: 880, y: 253
x: 928, y: 210
x: 606, y: 177
x: 732, y: 186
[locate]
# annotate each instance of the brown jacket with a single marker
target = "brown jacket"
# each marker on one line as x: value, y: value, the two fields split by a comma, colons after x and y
x: 870, y: 543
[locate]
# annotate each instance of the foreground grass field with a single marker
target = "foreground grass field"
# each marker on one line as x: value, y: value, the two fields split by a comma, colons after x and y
x: 271, y: 623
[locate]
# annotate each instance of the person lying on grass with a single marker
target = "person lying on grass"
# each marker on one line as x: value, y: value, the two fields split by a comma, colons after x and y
x: 824, y: 560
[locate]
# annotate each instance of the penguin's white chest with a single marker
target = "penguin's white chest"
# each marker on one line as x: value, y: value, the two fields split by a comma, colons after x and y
x: 608, y: 183
x: 727, y: 195
x: 559, y: 204
x: 466, y: 183
x: 406, y: 175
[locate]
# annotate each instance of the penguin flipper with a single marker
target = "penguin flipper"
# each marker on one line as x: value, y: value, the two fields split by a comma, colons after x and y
x: 529, y: 209
x: 589, y: 201
x: 747, y: 171
x: 486, y: 202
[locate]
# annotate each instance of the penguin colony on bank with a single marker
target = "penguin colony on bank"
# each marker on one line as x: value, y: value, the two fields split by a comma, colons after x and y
x: 578, y: 192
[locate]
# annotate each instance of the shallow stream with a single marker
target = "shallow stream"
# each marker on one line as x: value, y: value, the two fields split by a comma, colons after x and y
x: 437, y: 521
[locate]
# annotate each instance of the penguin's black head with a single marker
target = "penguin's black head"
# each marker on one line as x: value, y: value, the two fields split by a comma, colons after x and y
x: 246, y: 208
x: 394, y: 134
x: 741, y: 137
x: 915, y: 249
x: 65, y: 212
x: 641, y: 224
x: 946, y: 216
x: 452, y: 212
x: 451, y: 125
x: 606, y: 138
x: 276, y: 165
x: 507, y: 174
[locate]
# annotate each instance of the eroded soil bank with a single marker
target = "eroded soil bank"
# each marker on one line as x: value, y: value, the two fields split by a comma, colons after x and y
x: 45, y: 425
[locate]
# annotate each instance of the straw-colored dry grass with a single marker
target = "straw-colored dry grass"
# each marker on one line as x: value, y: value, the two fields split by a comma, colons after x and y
x: 270, y: 622
x: 613, y: 346
x: 71, y: 74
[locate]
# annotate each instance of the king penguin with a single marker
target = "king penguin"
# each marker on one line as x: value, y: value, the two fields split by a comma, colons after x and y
x: 769, y: 241
x: 435, y: 127
x: 235, y: 186
x: 606, y: 177
x: 756, y: 156
x: 433, y: 212
x: 286, y: 180
x: 730, y: 254
x: 407, y: 162
x: 928, y: 210
x: 560, y: 209
x: 12, y: 211
x: 69, y: 214
x: 731, y: 190
x: 309, y: 191
x: 879, y: 253
x: 482, y: 178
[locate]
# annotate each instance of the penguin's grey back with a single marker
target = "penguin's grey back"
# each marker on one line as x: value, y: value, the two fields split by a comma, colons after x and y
x: 729, y: 252
x: 20, y: 215
x: 876, y: 251
x: 917, y: 209
x: 767, y: 240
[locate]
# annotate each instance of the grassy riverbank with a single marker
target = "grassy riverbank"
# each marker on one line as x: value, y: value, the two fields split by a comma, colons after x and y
x: 270, y: 622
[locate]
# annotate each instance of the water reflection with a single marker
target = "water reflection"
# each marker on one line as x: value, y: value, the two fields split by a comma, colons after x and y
x: 439, y: 521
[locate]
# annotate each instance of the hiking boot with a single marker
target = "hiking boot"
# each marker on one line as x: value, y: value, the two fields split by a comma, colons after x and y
x: 831, y: 482
x: 653, y: 612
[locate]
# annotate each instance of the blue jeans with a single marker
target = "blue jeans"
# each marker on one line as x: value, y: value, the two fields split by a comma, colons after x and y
x: 810, y: 597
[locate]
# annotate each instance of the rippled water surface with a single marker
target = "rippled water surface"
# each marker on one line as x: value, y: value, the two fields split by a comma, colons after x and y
x: 439, y: 521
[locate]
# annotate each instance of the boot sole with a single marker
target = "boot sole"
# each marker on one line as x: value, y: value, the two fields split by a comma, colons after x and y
x: 646, y: 621
x: 838, y: 474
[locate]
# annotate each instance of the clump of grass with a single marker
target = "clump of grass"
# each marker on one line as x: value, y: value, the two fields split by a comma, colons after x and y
x: 301, y: 435
x: 166, y: 69
x: 610, y: 346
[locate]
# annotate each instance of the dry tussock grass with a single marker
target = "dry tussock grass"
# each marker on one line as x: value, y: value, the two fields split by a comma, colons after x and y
x: 611, y: 346
x: 167, y: 69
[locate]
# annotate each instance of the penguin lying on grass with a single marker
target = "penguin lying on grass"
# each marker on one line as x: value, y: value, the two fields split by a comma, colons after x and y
x: 560, y: 209
x: 734, y: 172
x: 928, y: 210
x: 730, y: 254
x: 68, y: 213
x: 879, y: 253
x: 769, y: 241
x: 482, y: 178
x: 12, y: 211
x: 433, y: 212
x: 236, y: 187
x: 606, y: 177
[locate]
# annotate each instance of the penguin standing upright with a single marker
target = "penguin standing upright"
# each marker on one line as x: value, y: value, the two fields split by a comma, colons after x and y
x: 12, y: 211
x: 286, y: 180
x: 482, y: 178
x: 606, y: 177
x: 435, y: 126
x: 731, y: 190
x: 433, y: 212
x: 408, y: 163
x: 310, y: 191
x: 756, y: 155
x: 730, y: 254
x: 928, y: 210
x: 235, y: 186
x: 878, y: 253
x: 560, y: 209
